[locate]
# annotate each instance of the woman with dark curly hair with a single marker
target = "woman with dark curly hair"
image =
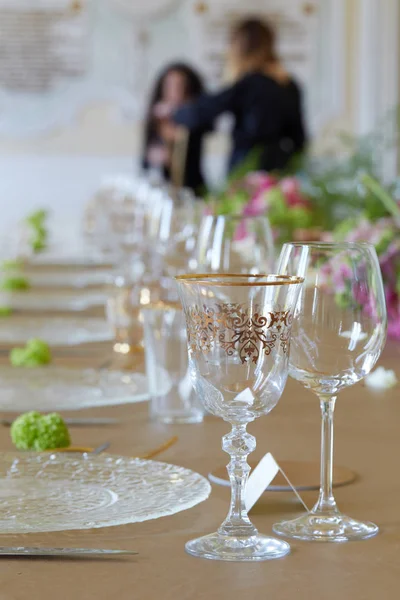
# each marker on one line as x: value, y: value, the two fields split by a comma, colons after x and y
x: 176, y: 85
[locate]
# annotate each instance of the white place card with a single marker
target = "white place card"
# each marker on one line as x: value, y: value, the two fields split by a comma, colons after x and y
x: 261, y: 477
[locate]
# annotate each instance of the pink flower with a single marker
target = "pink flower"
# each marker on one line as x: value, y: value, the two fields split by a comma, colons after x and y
x: 290, y: 186
x: 261, y: 181
x: 394, y: 328
x: 241, y: 232
x: 341, y: 276
x: 393, y: 310
x: 256, y: 206
x: 291, y: 189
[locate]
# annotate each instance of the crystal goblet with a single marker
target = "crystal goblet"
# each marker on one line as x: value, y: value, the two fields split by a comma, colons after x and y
x: 238, y: 330
x: 339, y: 331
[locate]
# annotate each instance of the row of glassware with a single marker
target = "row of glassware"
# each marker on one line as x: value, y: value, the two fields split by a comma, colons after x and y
x: 155, y: 233
x: 327, y: 304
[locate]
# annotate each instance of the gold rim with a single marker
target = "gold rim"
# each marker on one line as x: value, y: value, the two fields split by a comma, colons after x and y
x: 220, y: 279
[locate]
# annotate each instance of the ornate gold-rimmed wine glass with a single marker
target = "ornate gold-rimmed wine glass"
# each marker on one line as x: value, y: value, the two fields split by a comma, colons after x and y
x: 238, y: 342
x: 339, y: 331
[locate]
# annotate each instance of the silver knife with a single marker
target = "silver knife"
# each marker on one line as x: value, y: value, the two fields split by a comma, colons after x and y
x: 75, y: 422
x: 63, y: 552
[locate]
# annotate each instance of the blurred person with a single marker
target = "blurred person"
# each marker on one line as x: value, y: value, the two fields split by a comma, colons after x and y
x: 176, y: 85
x: 263, y: 98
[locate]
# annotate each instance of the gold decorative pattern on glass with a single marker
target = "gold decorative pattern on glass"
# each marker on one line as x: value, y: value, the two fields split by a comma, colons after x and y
x: 233, y: 328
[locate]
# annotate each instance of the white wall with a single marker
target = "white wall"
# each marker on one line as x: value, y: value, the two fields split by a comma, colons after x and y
x: 65, y: 182
x: 62, y: 169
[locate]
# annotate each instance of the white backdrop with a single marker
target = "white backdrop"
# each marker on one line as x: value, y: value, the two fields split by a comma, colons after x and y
x: 62, y: 167
x: 63, y: 183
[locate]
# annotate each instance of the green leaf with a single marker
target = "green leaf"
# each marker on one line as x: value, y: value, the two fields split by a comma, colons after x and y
x: 379, y: 191
x: 250, y: 164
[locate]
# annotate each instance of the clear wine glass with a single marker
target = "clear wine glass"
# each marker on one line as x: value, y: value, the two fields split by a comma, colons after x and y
x: 238, y: 342
x: 339, y: 331
x: 234, y: 244
x: 176, y: 230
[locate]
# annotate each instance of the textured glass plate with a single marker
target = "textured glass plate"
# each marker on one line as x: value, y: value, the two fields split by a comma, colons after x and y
x: 52, y: 300
x: 80, y: 258
x: 78, y: 279
x: 59, y: 388
x: 55, y: 331
x: 56, y: 492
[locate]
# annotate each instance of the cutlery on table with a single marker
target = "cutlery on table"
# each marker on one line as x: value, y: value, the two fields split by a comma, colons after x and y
x: 64, y: 552
x: 102, y: 447
x: 161, y: 448
x: 75, y: 422
x: 82, y: 449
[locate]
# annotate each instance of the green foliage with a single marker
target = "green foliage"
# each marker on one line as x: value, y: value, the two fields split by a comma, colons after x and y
x: 344, y: 228
x: 340, y: 187
x: 283, y: 219
x: 342, y: 299
x: 33, y: 431
x: 250, y: 164
x: 38, y: 218
x: 230, y: 204
x: 388, y: 206
x: 38, y: 231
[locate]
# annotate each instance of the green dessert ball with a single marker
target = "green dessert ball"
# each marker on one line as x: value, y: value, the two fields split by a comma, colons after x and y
x: 17, y: 357
x: 52, y: 433
x: 40, y: 349
x: 33, y: 431
x: 16, y: 283
x: 24, y: 430
x: 34, y: 354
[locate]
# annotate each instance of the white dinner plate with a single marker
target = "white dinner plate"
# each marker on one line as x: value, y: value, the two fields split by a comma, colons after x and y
x: 38, y: 300
x: 54, y: 388
x: 80, y: 278
x: 56, y: 331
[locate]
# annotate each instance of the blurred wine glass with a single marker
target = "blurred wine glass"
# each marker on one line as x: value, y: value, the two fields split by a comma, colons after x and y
x: 234, y: 244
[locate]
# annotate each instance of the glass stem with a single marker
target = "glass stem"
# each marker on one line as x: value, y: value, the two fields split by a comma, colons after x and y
x: 238, y: 444
x: 326, y: 502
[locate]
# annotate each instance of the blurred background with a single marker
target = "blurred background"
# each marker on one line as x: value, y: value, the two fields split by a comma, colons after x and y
x: 76, y: 76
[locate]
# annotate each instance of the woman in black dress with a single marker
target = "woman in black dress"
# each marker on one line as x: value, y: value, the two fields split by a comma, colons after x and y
x: 176, y: 85
x: 264, y: 100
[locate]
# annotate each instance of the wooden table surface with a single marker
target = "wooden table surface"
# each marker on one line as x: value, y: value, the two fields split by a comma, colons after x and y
x: 367, y: 440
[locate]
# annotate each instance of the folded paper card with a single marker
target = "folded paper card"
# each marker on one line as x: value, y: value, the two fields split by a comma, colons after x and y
x: 261, y: 477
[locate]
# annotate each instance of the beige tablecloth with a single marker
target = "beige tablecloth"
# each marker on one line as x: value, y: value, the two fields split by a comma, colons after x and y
x: 367, y: 440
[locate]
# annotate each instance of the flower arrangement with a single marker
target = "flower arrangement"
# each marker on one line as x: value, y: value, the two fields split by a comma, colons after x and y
x: 281, y: 200
x: 383, y: 231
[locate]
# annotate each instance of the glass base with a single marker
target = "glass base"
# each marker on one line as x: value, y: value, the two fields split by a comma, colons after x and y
x: 326, y: 528
x: 254, y: 548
